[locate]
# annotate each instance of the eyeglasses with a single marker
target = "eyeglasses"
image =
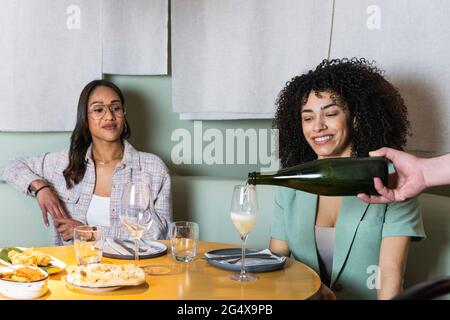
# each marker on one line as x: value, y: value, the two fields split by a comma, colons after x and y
x: 98, y: 111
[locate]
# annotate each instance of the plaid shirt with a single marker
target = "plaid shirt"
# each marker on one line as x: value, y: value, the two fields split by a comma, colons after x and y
x: 135, y: 165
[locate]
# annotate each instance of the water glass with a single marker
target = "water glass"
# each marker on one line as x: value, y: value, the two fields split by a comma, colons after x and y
x: 184, y: 240
x: 88, y: 244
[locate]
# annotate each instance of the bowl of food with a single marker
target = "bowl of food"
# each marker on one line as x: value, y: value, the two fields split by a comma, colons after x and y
x: 23, y: 282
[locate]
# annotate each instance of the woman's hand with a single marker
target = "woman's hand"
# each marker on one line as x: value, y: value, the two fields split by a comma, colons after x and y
x: 49, y: 203
x: 65, y: 227
x: 326, y: 293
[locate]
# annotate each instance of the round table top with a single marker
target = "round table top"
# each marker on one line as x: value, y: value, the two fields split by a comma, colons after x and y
x: 196, y: 280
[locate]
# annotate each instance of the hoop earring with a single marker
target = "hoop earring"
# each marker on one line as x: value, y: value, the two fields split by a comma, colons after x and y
x: 125, y: 127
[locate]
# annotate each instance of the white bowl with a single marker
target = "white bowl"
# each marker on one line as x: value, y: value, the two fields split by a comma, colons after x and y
x: 23, y: 290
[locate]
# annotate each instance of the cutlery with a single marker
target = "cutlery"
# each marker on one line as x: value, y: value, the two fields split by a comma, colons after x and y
x: 238, y: 256
x: 141, y: 249
x: 123, y: 245
x: 116, y: 247
x: 264, y: 258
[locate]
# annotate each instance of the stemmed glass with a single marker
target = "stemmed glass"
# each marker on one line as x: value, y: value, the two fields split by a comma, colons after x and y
x: 136, y: 212
x: 244, y: 209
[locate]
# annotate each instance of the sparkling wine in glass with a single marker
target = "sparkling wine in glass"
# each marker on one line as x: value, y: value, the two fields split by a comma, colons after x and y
x: 244, y: 210
x: 136, y: 212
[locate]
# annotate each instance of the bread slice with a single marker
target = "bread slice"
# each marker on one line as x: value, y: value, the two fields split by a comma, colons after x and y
x: 101, y: 275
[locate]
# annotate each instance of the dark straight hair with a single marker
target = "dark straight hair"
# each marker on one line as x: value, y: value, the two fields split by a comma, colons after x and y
x: 81, y: 137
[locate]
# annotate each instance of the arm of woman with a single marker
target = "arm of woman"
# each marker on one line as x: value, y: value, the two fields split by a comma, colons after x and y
x: 279, y: 246
x: 29, y: 174
x: 402, y: 224
x: 393, y: 257
x: 65, y: 227
x: 163, y: 210
x: 48, y: 202
x: 21, y: 172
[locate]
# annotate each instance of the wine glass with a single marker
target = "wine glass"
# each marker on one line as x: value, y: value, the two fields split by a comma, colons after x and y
x: 136, y: 211
x: 244, y: 210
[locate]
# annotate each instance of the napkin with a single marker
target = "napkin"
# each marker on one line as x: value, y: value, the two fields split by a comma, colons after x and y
x: 126, y: 247
x: 249, y: 260
x: 144, y: 247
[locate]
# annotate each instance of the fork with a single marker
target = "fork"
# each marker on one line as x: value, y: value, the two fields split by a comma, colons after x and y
x: 239, y: 256
x: 233, y: 261
x: 141, y: 250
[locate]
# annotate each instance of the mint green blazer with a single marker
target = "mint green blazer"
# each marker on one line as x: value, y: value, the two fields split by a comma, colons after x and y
x: 359, y: 231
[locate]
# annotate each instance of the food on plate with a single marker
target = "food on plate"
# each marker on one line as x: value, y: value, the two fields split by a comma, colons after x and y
x: 24, y: 274
x: 29, y: 257
x: 100, y: 275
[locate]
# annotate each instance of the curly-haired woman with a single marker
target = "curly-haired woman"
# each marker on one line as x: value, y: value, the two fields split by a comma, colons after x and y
x: 83, y: 185
x: 343, y: 108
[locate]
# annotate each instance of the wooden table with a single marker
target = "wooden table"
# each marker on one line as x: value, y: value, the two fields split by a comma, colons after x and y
x: 197, y: 280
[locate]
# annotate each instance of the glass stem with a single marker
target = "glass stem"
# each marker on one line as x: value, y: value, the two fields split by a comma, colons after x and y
x: 244, y: 239
x: 136, y: 251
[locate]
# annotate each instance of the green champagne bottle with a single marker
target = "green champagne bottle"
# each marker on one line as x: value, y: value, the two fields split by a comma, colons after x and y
x: 329, y: 177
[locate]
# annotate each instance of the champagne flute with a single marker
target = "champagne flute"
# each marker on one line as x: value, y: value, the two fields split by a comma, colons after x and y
x: 136, y: 212
x: 244, y: 209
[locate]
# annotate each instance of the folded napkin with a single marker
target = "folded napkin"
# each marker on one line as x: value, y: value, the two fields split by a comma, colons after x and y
x: 126, y: 247
x: 144, y: 247
x: 263, y: 257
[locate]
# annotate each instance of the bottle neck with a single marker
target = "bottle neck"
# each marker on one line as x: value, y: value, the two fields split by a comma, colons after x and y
x: 252, y: 178
x: 255, y: 178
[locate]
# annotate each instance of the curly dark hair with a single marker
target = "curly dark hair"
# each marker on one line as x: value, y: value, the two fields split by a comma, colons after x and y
x: 376, y: 107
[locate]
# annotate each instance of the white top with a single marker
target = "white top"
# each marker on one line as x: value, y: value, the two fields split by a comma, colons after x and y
x: 325, y: 246
x: 98, y: 211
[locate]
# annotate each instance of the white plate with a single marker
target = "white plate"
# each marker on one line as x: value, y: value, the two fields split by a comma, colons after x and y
x: 60, y: 265
x: 90, y: 289
x: 154, y: 249
x: 102, y: 271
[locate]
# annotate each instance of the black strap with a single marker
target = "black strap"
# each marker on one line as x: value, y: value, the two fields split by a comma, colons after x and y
x: 43, y: 187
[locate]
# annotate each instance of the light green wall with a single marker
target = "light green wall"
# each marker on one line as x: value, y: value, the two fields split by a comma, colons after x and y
x: 21, y: 222
x: 149, y: 109
x: 152, y: 120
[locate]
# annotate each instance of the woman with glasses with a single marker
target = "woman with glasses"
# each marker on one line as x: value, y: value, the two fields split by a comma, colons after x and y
x: 83, y: 185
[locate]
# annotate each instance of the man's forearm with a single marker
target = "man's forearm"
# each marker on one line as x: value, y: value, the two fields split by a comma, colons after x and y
x: 436, y: 171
